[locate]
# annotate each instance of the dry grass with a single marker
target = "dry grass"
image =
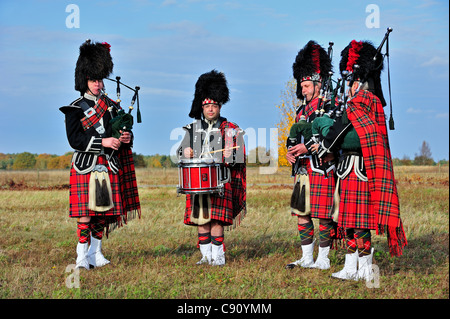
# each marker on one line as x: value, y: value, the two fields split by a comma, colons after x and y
x: 154, y: 257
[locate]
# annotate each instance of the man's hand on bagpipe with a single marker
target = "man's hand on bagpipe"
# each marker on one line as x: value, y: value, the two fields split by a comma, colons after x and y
x: 122, y: 124
x: 295, y: 151
x: 111, y: 142
x: 125, y: 137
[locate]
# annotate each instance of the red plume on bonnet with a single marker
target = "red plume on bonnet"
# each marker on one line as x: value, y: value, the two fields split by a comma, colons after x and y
x: 353, y: 54
x: 316, y: 57
x: 107, y: 45
x: 312, y: 63
x: 370, y: 65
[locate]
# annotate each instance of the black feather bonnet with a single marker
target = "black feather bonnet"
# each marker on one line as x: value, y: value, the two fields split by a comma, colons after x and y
x: 360, y: 61
x: 94, y: 62
x: 311, y: 64
x: 210, y: 86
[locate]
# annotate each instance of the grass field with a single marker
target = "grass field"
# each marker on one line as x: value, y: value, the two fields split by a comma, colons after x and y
x: 155, y: 257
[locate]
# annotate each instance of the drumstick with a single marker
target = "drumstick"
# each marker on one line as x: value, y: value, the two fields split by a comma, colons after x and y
x: 223, y: 149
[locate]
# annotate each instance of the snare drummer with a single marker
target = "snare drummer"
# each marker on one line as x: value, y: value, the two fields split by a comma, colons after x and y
x: 213, y: 136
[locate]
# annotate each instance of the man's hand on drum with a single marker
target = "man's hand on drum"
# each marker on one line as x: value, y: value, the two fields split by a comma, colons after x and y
x: 295, y: 151
x: 188, y: 152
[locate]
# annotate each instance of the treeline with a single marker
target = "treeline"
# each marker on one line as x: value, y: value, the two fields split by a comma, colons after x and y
x: 26, y: 160
x: 256, y: 157
x: 421, y: 158
x: 44, y: 161
x: 418, y: 160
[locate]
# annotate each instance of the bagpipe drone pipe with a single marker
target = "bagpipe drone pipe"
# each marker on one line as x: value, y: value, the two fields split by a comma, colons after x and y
x: 123, y: 121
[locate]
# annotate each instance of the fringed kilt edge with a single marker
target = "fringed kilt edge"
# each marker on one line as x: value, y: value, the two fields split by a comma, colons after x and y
x: 396, y: 238
x: 115, y: 222
x: 237, y: 220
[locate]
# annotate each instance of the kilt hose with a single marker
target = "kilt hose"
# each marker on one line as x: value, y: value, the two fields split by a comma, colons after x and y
x: 321, y: 193
x: 79, y: 197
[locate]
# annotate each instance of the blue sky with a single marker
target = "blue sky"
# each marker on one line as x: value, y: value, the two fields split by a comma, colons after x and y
x: 164, y: 45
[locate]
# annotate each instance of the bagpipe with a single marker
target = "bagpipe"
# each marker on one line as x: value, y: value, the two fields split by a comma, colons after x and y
x: 123, y: 121
x: 100, y: 192
x: 332, y: 105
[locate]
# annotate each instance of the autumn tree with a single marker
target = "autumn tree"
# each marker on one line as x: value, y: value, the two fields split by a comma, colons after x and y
x: 139, y: 160
x: 42, y: 160
x: 24, y: 160
x: 60, y: 162
x: 289, y: 103
x: 6, y: 161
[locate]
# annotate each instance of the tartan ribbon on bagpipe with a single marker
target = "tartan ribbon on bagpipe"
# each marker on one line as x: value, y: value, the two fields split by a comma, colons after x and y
x: 367, y: 116
x: 99, y: 110
x: 128, y: 185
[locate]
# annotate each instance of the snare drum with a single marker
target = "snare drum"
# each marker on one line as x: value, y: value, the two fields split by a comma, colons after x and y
x: 199, y: 176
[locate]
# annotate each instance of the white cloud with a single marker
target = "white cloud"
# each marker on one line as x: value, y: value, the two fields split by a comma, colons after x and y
x: 442, y: 115
x: 183, y: 27
x: 166, y: 3
x: 427, y: 3
x: 165, y: 92
x: 436, y: 61
x: 413, y: 110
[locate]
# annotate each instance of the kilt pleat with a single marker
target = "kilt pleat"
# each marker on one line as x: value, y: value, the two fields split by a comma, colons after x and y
x: 321, y: 195
x: 355, y: 209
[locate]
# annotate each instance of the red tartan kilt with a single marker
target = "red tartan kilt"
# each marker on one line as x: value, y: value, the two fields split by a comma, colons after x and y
x: 355, y: 210
x: 221, y: 207
x: 79, y: 193
x: 321, y: 194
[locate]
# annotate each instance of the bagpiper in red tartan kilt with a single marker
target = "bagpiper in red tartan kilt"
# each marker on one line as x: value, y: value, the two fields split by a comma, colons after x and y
x: 112, y: 193
x: 313, y: 190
